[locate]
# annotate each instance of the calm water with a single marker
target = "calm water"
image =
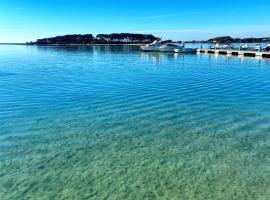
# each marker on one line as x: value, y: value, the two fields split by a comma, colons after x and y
x: 114, y: 123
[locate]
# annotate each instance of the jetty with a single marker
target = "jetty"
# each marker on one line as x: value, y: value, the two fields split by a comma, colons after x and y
x: 235, y: 52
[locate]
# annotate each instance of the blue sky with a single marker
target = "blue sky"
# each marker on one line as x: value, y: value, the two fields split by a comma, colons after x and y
x: 28, y: 20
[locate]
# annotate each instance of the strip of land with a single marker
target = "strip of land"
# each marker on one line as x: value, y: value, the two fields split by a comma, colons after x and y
x: 101, y: 39
x: 126, y: 39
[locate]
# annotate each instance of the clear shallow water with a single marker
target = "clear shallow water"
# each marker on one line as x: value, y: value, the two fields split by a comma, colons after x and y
x: 113, y: 123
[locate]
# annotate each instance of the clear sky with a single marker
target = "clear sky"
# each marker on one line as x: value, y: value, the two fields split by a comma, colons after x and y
x: 28, y: 20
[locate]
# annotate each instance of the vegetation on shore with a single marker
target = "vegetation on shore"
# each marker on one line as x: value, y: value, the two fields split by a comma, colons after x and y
x: 228, y: 39
x: 115, y: 38
x: 129, y: 38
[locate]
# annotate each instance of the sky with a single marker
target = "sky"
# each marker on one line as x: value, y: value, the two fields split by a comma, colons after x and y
x: 28, y: 20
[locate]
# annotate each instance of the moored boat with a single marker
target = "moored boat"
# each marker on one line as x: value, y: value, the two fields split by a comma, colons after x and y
x: 267, y: 48
x: 185, y: 50
x: 169, y: 47
x: 152, y: 47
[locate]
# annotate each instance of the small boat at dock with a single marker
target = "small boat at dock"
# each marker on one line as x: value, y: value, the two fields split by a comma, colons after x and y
x: 153, y: 47
x: 169, y: 47
x: 224, y: 46
x: 185, y: 50
x: 267, y: 48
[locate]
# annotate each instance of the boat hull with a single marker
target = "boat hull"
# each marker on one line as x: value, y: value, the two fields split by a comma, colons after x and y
x: 168, y: 50
x: 150, y: 49
x: 185, y: 50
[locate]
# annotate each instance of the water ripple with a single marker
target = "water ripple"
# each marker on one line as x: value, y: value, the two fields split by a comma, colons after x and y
x: 113, y: 123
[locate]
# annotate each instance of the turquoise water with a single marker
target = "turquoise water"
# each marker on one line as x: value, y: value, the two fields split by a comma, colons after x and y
x: 115, y: 123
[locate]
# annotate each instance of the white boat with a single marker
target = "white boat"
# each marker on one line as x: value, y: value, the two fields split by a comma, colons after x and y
x: 170, y: 47
x: 258, y: 47
x: 185, y: 50
x: 267, y: 48
x: 225, y: 46
x: 245, y: 46
x: 152, y: 47
x: 217, y: 46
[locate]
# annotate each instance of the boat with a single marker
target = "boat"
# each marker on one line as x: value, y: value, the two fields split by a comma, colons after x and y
x: 258, y: 47
x: 185, y: 50
x: 217, y: 46
x: 267, y: 48
x: 224, y: 46
x: 169, y: 47
x: 152, y: 47
x: 245, y: 46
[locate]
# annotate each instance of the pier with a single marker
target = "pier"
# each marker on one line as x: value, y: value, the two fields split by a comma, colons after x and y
x: 235, y: 52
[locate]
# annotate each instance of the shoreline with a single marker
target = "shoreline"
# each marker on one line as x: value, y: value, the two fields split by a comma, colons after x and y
x: 113, y: 44
x: 12, y: 43
x: 97, y: 44
x: 136, y: 44
x: 85, y: 44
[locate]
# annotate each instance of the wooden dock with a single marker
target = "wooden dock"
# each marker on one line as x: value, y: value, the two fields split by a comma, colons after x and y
x: 235, y: 52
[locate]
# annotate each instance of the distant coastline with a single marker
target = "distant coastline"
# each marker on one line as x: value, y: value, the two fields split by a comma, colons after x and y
x: 8, y: 43
x: 228, y: 39
x: 131, y: 39
x: 100, y: 39
x: 126, y: 39
x: 92, y: 44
